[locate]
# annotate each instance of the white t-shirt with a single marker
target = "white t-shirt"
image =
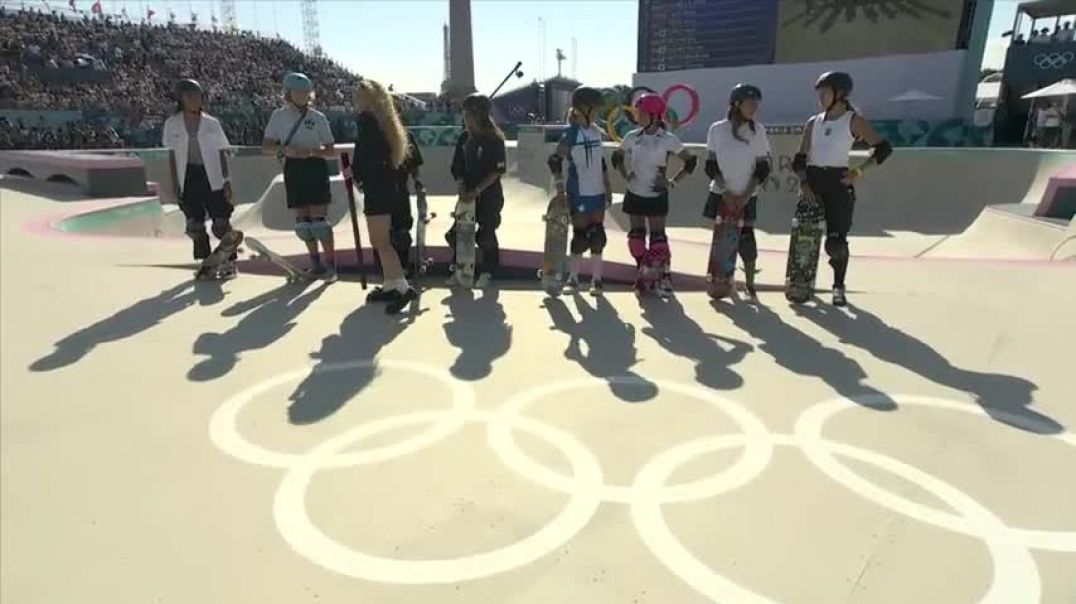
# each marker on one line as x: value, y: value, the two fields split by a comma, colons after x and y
x: 735, y: 158
x: 644, y: 155
x: 584, y: 161
x: 314, y: 131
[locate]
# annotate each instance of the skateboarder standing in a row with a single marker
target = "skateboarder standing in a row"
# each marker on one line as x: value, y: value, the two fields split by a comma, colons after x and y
x: 738, y: 161
x: 380, y: 151
x: 586, y: 184
x: 822, y: 166
x: 196, y: 140
x: 300, y: 135
x: 641, y: 160
x: 478, y: 164
x: 402, y: 218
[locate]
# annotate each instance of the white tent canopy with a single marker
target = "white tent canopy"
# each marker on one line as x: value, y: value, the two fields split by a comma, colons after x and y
x: 914, y: 95
x: 1060, y: 88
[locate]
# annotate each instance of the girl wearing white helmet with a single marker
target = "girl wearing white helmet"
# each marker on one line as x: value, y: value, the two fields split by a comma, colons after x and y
x: 585, y: 187
x: 301, y: 135
x: 381, y: 149
x: 641, y: 160
x: 196, y: 140
x: 738, y: 161
x: 822, y: 166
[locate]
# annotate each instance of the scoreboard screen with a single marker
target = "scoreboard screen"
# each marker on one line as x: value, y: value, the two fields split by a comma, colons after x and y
x: 694, y: 34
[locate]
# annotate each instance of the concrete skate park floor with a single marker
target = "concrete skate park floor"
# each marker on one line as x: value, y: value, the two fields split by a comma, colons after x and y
x: 165, y: 441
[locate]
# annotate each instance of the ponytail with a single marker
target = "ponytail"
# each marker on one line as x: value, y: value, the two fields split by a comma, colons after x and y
x: 736, y: 117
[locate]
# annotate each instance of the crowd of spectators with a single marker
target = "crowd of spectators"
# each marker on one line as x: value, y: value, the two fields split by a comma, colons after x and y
x: 105, y: 66
x: 70, y: 135
x: 1061, y: 33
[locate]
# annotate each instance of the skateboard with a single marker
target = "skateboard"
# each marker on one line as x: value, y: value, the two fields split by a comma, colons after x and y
x: 721, y: 272
x: 291, y: 272
x: 422, y: 262
x: 808, y: 229
x: 555, y: 252
x: 465, y: 244
x: 349, y: 186
x: 228, y: 246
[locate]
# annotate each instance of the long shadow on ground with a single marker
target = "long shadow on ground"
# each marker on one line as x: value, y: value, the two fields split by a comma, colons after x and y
x: 803, y: 355
x: 130, y: 321
x: 676, y: 332
x: 603, y: 345
x: 362, y: 335
x: 1006, y: 398
x: 267, y: 318
x: 478, y: 327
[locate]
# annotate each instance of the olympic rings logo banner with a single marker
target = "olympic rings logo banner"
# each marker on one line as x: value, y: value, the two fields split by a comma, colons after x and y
x: 1054, y: 60
x: 1015, y: 573
x: 620, y: 117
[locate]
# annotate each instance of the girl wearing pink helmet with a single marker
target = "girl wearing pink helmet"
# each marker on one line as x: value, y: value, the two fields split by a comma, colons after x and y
x: 642, y: 159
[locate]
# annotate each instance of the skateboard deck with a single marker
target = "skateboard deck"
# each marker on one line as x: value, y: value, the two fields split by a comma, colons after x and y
x: 555, y: 251
x: 465, y: 243
x: 292, y: 273
x: 721, y: 272
x: 228, y: 246
x: 808, y: 230
x: 421, y: 261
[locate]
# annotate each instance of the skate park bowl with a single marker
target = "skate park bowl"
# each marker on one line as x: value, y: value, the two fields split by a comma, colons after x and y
x: 984, y: 204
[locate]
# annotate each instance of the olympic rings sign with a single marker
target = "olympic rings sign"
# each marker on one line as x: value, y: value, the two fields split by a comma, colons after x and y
x: 1016, y: 577
x: 627, y: 111
x: 1055, y: 60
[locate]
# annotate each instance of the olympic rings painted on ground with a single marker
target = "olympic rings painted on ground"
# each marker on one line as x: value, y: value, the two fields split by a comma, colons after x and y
x: 1015, y: 575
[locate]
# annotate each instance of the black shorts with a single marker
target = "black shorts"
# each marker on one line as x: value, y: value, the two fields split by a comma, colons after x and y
x: 838, y: 199
x: 306, y: 182
x: 199, y: 200
x: 750, y: 213
x: 637, y: 205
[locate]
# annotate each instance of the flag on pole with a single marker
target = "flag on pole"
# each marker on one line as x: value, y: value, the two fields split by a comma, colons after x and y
x: 194, y: 17
x: 149, y: 14
x: 71, y: 3
x: 171, y: 16
x: 96, y: 8
x: 123, y: 12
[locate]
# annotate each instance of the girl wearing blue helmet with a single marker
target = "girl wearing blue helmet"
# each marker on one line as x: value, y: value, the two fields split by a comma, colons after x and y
x: 301, y: 135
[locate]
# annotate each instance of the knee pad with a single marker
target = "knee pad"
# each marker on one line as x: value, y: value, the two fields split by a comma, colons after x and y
x: 302, y: 229
x: 579, y: 241
x: 837, y: 247
x: 195, y: 229
x: 660, y: 253
x: 637, y: 243
x: 221, y: 227
x: 748, y: 245
x: 321, y: 230
x: 597, y: 238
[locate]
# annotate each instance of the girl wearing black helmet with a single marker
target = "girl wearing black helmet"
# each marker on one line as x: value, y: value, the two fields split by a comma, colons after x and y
x: 641, y: 160
x: 585, y: 187
x: 478, y: 165
x: 301, y: 135
x: 196, y: 140
x: 738, y: 161
x: 822, y: 166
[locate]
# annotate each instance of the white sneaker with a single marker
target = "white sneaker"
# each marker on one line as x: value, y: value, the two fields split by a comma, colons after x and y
x: 483, y: 281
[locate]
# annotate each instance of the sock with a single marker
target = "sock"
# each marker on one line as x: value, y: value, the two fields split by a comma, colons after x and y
x: 596, y: 267
x: 402, y: 285
x: 574, y: 270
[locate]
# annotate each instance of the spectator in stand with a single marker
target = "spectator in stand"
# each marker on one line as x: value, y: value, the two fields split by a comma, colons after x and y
x: 1019, y: 40
x: 1042, y: 37
x: 1065, y: 34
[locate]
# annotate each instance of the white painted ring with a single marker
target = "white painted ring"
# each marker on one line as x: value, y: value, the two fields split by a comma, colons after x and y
x: 295, y: 525
x: 1015, y: 579
x: 224, y: 430
x: 754, y: 460
x: 809, y: 429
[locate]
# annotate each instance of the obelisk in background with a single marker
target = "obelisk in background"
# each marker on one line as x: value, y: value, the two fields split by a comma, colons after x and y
x: 461, y: 50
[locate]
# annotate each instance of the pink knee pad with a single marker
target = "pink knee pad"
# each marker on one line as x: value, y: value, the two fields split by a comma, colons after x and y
x: 637, y: 245
x: 660, y: 254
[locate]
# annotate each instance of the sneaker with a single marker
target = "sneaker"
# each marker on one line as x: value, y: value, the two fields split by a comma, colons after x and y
x: 483, y: 281
x: 228, y: 271
x: 399, y: 301
x: 571, y: 284
x: 839, y: 298
x: 202, y: 248
x: 665, y: 287
x: 315, y: 271
x: 330, y: 275
x: 596, y: 287
x: 380, y: 294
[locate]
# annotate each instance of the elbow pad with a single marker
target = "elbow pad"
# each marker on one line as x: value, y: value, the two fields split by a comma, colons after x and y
x: 799, y: 164
x: 711, y: 168
x: 690, y: 163
x: 556, y: 164
x: 881, y: 152
x: 762, y: 170
x: 618, y: 159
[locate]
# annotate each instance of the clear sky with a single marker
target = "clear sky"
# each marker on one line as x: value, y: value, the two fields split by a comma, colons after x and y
x: 400, y: 41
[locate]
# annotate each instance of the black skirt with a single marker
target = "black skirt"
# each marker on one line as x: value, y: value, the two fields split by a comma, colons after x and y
x: 637, y: 205
x: 307, y: 182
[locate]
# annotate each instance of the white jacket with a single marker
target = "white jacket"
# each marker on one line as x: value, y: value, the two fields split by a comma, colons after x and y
x: 211, y: 139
